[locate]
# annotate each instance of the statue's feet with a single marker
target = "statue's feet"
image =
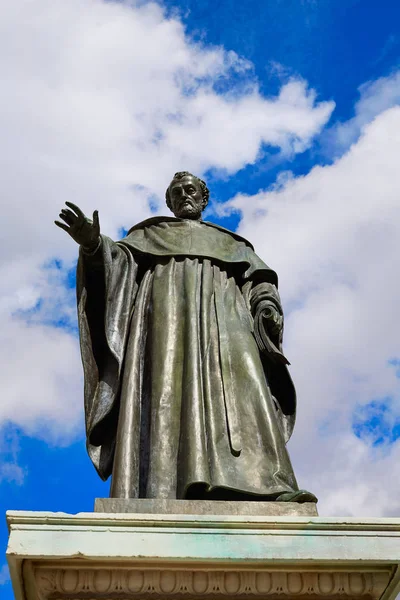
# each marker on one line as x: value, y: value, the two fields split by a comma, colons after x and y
x: 299, y: 496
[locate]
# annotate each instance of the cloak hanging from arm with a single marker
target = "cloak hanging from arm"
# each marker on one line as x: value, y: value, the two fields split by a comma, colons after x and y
x: 106, y: 287
x: 264, y: 297
x: 107, y: 282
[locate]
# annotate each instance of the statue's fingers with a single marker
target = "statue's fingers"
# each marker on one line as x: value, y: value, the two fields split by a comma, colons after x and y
x: 67, y: 218
x: 76, y: 209
x: 62, y: 226
x: 70, y: 214
x: 96, y: 222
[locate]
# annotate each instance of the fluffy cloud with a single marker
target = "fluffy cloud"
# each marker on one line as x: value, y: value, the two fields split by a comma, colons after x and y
x: 106, y: 101
x: 334, y: 238
x: 375, y: 97
x: 101, y: 103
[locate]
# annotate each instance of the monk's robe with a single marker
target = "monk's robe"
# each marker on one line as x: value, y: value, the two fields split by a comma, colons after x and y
x: 180, y: 399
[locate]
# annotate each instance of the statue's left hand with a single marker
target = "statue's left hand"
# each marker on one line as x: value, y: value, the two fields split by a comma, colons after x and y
x: 268, y: 325
x: 274, y: 321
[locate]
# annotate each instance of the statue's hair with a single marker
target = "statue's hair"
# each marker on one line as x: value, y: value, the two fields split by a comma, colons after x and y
x: 203, y: 186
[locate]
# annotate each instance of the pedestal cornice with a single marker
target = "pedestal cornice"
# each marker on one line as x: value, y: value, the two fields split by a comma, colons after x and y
x: 121, y: 556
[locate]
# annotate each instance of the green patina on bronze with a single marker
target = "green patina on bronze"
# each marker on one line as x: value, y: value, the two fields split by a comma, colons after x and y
x: 187, y: 392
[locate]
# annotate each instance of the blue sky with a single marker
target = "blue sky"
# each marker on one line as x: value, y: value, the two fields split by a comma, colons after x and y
x: 335, y: 46
x: 289, y: 110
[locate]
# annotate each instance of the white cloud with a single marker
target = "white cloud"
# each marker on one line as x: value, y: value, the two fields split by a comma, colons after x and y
x: 103, y: 97
x: 375, y: 97
x: 12, y: 473
x: 101, y: 103
x: 334, y: 238
x: 41, y: 385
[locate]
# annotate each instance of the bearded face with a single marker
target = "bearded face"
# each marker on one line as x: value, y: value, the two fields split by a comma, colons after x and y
x: 186, y: 197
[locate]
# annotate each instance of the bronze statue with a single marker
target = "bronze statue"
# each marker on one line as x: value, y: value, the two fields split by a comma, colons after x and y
x: 187, y: 392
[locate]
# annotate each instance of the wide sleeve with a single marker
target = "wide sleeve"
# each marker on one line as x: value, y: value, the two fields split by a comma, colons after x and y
x: 264, y: 298
x: 106, y: 288
x: 264, y: 302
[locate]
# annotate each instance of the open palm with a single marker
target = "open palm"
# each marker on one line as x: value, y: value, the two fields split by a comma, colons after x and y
x: 84, y: 231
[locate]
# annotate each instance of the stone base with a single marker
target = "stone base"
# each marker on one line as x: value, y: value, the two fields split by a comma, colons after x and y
x: 205, y: 507
x: 98, y: 556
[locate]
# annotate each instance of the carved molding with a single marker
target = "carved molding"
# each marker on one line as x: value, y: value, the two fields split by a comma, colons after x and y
x: 122, y: 583
x: 97, y: 556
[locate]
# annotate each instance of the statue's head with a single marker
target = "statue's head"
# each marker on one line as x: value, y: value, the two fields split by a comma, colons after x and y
x: 187, y: 195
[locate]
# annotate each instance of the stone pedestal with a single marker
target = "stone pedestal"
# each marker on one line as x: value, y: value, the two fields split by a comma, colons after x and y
x: 56, y: 556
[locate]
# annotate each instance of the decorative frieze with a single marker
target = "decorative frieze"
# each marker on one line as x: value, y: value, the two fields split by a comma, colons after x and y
x: 117, y: 582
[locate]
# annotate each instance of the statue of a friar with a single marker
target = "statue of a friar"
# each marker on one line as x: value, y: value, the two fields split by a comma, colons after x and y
x: 187, y: 392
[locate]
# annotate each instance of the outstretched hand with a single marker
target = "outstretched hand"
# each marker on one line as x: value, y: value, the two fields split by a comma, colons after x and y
x: 85, y: 232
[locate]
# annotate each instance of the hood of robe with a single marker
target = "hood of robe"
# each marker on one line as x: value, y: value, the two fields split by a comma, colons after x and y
x: 169, y: 236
